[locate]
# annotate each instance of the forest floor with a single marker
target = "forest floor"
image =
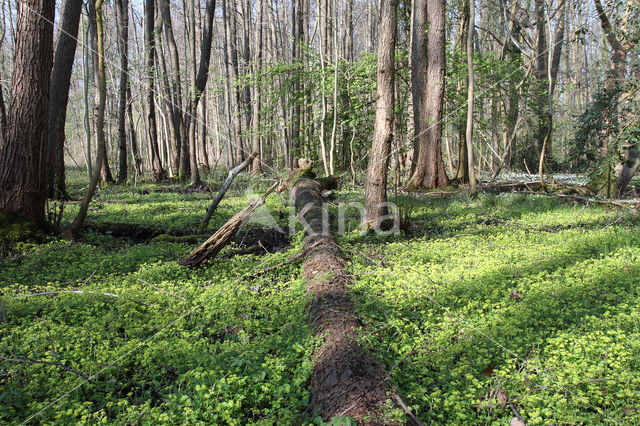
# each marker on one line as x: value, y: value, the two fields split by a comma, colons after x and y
x: 486, y: 309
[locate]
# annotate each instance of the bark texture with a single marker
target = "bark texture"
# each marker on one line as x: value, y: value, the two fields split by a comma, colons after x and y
x: 150, y: 61
x: 23, y: 143
x: 59, y: 96
x: 345, y: 380
x: 122, y: 20
x: 430, y: 55
x: 376, y: 183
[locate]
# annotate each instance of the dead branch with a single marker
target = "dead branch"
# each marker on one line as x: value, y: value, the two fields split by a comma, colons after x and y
x: 47, y: 293
x: 222, y: 236
x: 406, y: 409
x: 225, y: 186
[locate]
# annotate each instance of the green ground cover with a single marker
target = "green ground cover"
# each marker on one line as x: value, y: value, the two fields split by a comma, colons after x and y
x: 529, y: 300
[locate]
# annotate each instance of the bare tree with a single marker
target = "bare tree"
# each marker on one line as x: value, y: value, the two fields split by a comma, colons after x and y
x: 201, y: 80
x: 473, y: 186
x: 175, y: 96
x: 256, y: 167
x: 105, y: 169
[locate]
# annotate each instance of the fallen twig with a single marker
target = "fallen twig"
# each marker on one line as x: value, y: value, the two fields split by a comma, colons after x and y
x: 384, y: 327
x: 406, y: 409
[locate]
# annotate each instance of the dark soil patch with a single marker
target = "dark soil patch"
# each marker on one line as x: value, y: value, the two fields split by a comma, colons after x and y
x: 269, y: 239
x: 135, y: 232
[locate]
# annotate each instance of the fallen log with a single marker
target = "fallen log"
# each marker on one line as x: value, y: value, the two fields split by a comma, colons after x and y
x: 222, y: 236
x: 345, y: 379
x: 225, y: 187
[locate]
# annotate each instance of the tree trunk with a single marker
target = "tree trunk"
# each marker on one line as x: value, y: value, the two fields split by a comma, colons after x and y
x: 256, y: 167
x: 192, y: 111
x: 59, y: 97
x: 616, y: 181
x: 462, y: 169
x: 429, y: 168
x: 122, y: 21
x: 376, y: 183
x: 85, y: 103
x: 201, y: 80
x: 150, y: 62
x: 223, y: 189
x: 232, y: 40
x: 105, y: 169
x: 137, y: 161
x: 176, y: 88
x: 296, y: 58
x: 345, y: 379
x: 99, y: 110
x: 473, y: 186
x: 23, y: 143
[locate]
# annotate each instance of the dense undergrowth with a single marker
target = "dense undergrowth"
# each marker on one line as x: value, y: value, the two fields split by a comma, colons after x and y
x: 528, y: 300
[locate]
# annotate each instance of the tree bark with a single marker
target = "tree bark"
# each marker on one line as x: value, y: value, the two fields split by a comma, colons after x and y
x: 175, y: 87
x: 100, y: 107
x: 105, y: 169
x: 616, y: 181
x: 462, y: 168
x: 376, y: 183
x: 473, y: 185
x: 59, y: 97
x: 122, y: 21
x: 232, y: 40
x: 256, y: 167
x: 345, y: 379
x: 23, y: 143
x: 429, y: 168
x: 201, y: 80
x: 150, y: 63
x: 137, y: 161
